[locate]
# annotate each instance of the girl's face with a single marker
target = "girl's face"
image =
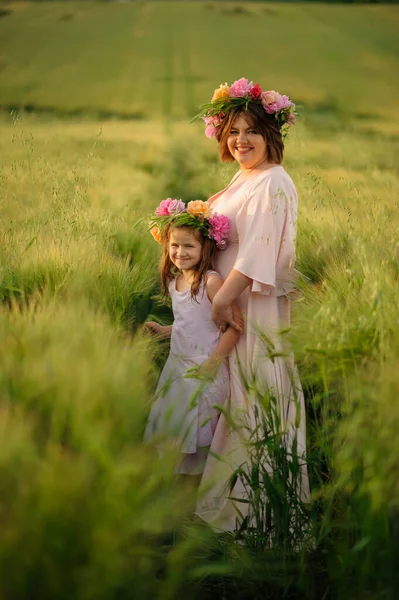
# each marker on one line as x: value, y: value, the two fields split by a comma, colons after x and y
x: 246, y: 145
x: 184, y: 248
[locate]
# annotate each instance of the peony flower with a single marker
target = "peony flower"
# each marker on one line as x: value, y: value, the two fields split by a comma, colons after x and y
x: 280, y: 103
x: 284, y: 102
x: 163, y: 208
x: 269, y: 97
x: 199, y: 208
x: 240, y: 88
x: 221, y: 92
x: 219, y: 229
x: 156, y: 234
x: 212, y: 123
x: 256, y: 92
x: 176, y: 206
x: 210, y: 131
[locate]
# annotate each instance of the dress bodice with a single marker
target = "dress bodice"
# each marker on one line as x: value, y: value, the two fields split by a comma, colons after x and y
x: 261, y: 243
x: 194, y: 334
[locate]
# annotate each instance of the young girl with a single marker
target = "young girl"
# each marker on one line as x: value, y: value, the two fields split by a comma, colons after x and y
x: 184, y: 410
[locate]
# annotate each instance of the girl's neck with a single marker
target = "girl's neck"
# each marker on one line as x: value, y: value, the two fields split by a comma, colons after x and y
x: 186, y: 279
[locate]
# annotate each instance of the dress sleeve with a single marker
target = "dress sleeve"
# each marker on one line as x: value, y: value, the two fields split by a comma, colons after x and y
x: 261, y: 223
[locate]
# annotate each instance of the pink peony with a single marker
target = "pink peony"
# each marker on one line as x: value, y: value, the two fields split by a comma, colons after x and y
x: 176, y: 206
x: 220, y: 227
x: 163, y: 208
x: 241, y: 88
x: 210, y: 131
x: 269, y: 97
x: 256, y: 92
x: 284, y: 102
x: 280, y: 103
x: 212, y: 123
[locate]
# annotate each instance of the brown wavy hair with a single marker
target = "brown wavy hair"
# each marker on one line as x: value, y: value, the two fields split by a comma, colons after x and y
x: 262, y: 122
x: 169, y: 271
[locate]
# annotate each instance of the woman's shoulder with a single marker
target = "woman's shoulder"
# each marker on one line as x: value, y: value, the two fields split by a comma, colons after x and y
x: 273, y: 181
x: 274, y: 174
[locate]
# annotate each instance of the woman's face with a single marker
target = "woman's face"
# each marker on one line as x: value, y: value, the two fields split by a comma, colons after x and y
x: 246, y: 145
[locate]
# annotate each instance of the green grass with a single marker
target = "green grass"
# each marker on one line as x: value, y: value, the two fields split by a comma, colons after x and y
x: 75, y: 252
x: 162, y: 59
x: 87, y: 512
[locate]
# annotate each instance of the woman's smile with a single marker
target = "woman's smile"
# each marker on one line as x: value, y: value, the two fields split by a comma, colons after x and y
x: 244, y: 149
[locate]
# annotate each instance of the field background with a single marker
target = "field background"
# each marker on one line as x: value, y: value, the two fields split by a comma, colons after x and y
x: 160, y: 59
x: 96, y: 101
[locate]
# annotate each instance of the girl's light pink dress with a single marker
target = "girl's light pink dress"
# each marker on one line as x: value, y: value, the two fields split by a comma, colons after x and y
x: 261, y: 245
x: 183, y: 410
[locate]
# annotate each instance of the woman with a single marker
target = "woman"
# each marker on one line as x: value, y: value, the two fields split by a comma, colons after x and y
x: 258, y: 268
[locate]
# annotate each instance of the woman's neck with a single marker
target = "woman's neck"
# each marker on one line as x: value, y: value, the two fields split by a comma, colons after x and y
x: 264, y: 165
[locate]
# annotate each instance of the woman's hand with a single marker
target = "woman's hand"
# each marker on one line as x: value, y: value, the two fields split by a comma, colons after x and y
x: 224, y: 311
x: 224, y: 315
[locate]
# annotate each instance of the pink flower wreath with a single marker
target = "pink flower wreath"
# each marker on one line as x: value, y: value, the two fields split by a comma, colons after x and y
x: 241, y: 93
x: 197, y: 214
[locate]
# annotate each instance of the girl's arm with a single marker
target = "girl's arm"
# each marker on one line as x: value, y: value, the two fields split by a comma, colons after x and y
x: 226, y: 344
x: 223, y: 313
x: 209, y: 368
x: 161, y: 332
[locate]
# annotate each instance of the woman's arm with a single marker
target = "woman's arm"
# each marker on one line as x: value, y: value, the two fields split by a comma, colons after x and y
x: 261, y: 222
x: 223, y: 312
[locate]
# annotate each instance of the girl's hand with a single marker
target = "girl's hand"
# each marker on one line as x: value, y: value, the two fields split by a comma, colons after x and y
x: 224, y: 315
x: 154, y: 329
x: 206, y: 371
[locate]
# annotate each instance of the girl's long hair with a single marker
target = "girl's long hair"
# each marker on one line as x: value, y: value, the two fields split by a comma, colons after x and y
x: 169, y: 271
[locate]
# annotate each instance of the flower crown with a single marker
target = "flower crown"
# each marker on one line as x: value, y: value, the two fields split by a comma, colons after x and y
x: 196, y: 214
x: 241, y: 93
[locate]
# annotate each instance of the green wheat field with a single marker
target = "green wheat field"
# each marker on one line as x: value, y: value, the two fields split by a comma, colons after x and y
x: 96, y: 100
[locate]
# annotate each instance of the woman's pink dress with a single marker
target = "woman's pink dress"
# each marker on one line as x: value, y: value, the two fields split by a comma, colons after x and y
x: 261, y: 245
